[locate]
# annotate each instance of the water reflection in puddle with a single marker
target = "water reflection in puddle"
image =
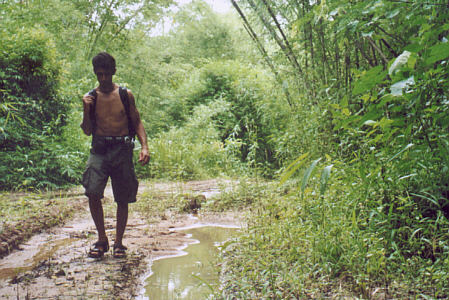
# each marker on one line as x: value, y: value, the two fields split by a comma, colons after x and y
x: 191, y: 275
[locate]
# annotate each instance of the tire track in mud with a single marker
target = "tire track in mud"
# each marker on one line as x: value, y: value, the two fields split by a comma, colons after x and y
x: 55, y: 265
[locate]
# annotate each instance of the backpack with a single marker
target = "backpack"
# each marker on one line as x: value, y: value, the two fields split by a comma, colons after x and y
x: 125, y: 101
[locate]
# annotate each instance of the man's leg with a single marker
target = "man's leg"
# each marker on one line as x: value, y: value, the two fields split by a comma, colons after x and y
x: 122, y: 219
x: 96, y: 210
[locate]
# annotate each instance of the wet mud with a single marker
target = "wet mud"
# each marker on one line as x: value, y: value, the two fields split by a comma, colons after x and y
x: 54, y: 264
x: 14, y: 234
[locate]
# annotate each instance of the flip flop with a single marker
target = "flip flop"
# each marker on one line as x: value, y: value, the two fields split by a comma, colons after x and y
x: 99, y: 249
x: 119, y: 251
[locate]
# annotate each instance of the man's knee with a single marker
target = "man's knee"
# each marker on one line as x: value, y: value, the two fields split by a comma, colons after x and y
x: 94, y: 199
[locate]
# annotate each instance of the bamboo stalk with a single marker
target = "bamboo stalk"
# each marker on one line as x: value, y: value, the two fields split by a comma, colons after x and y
x: 375, y: 47
x: 278, y: 40
x: 261, y: 48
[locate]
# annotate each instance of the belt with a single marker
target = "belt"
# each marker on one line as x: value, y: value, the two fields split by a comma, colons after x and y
x: 116, y: 139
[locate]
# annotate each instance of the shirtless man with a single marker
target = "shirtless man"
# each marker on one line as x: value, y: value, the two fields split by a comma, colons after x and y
x: 111, y: 152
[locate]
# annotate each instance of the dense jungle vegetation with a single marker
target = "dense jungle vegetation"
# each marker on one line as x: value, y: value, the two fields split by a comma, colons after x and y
x: 343, y: 104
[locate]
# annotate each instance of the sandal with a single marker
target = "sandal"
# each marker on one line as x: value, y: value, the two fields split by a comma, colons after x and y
x: 119, y: 251
x: 99, y: 249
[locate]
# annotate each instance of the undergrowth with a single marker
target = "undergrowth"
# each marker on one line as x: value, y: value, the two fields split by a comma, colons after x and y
x: 303, y: 241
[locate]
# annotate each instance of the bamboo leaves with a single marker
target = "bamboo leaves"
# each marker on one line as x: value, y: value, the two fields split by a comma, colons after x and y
x: 307, y: 174
x: 298, y: 163
x: 295, y: 165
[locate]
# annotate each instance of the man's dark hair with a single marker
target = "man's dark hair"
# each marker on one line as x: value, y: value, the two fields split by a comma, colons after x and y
x: 104, y: 60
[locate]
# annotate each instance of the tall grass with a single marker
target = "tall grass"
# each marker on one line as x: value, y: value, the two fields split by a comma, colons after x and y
x: 330, y: 233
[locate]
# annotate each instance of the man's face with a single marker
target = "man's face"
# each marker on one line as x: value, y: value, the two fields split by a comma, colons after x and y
x: 104, y: 76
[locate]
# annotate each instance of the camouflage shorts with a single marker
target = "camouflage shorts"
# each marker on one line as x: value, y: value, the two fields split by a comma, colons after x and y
x: 117, y: 163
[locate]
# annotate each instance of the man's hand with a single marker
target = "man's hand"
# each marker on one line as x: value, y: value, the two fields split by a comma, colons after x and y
x: 88, y: 100
x: 144, y: 156
x: 88, y: 103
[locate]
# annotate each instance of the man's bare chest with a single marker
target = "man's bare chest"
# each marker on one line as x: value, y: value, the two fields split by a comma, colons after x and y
x: 109, y: 106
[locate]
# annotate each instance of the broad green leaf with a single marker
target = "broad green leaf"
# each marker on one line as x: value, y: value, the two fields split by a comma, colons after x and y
x: 398, y: 87
x: 369, y: 80
x: 413, y: 48
x: 437, y: 52
x: 370, y: 123
x: 344, y: 101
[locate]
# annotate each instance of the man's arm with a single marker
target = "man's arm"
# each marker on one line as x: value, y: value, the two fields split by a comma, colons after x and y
x: 86, y: 124
x: 144, y: 156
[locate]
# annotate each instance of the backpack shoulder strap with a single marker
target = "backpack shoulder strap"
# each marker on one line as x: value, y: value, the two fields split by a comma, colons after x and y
x: 125, y: 101
x: 93, y: 120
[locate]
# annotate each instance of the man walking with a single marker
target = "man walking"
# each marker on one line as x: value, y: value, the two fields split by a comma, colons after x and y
x: 111, y: 117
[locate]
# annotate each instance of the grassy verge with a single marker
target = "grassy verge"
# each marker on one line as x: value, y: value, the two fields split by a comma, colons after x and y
x: 345, y: 241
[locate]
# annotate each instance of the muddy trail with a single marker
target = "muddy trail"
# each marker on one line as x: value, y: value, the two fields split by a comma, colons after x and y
x: 54, y: 264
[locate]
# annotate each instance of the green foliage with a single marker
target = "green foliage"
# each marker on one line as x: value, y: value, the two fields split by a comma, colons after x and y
x: 299, y: 247
x: 45, y: 71
x: 192, y: 151
x: 243, y: 120
x: 375, y: 79
x: 28, y: 87
x: 200, y: 35
x: 49, y: 165
x: 32, y: 113
x: 360, y: 86
x: 240, y: 195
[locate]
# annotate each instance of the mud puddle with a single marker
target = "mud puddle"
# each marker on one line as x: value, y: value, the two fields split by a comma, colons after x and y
x: 191, y: 274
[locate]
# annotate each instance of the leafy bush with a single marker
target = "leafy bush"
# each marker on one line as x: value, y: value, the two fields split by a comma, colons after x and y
x: 245, y: 124
x: 336, y: 236
x: 32, y: 114
x: 192, y: 151
x: 49, y: 166
x: 28, y: 87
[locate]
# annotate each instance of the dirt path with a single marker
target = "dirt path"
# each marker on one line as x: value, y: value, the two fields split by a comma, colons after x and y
x: 54, y: 264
